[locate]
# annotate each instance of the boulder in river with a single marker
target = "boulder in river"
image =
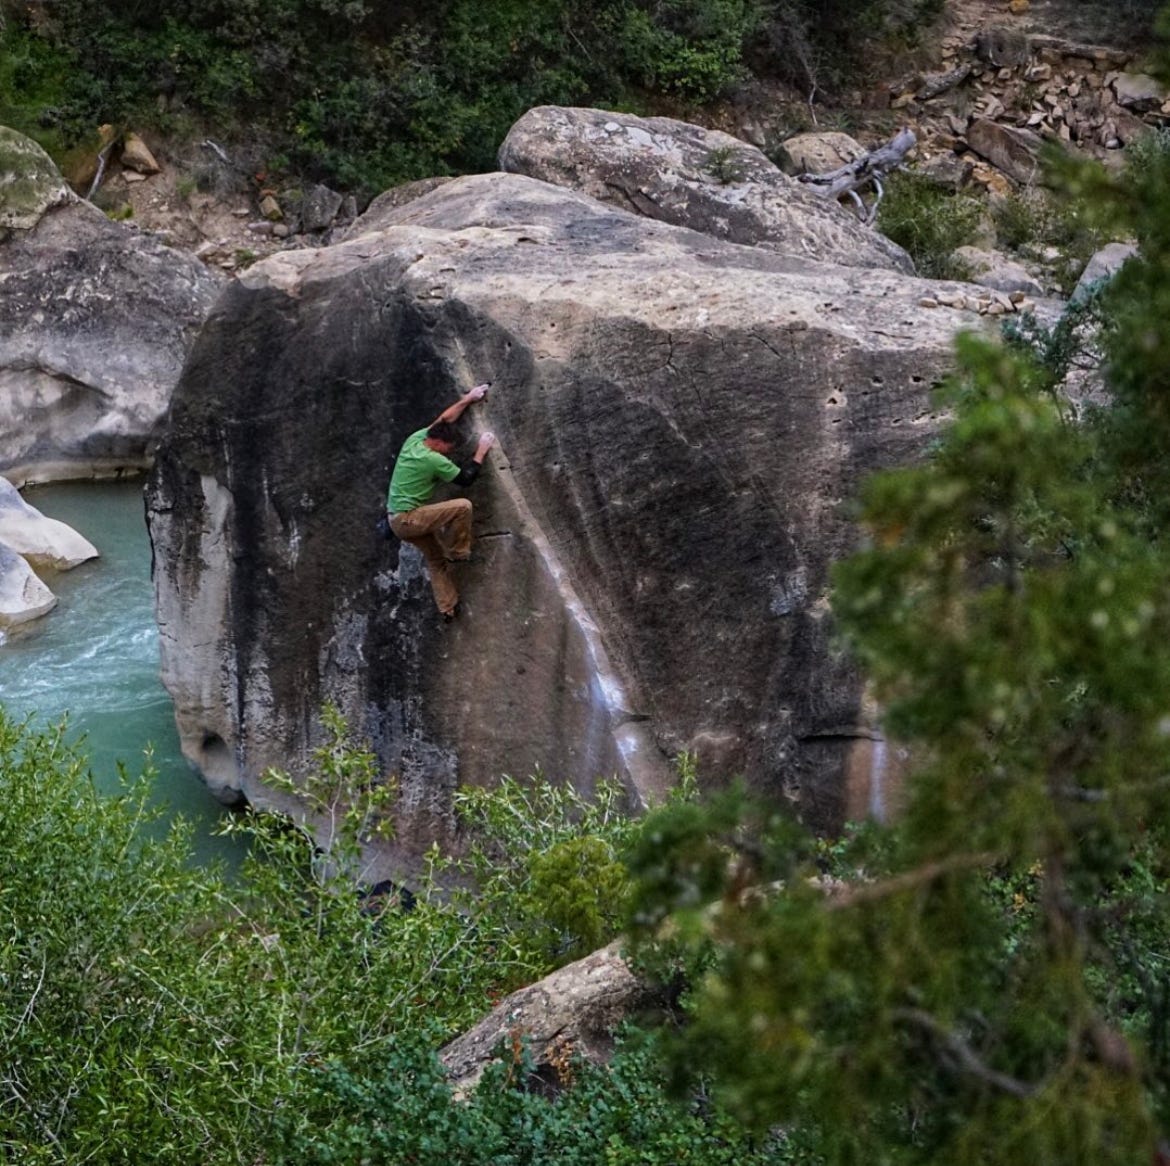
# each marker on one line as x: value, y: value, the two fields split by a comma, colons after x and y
x: 23, y: 597
x: 43, y: 542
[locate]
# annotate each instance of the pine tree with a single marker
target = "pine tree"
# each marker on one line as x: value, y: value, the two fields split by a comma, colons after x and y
x: 992, y: 985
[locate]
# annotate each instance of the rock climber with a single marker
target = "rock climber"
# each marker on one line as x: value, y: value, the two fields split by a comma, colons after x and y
x: 441, y: 530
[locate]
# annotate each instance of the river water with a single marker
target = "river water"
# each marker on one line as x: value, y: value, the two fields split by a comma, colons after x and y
x: 94, y: 658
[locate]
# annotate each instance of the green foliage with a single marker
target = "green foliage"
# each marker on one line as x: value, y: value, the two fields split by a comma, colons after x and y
x: 33, y: 75
x: 1034, y: 222
x: 992, y: 986
x: 824, y: 46
x: 1072, y: 342
x: 400, y: 1110
x: 724, y: 165
x: 150, y: 1010
x: 1020, y: 218
x: 97, y: 968
x: 345, y: 803
x: 1146, y: 156
x: 550, y: 860
x: 693, y: 48
x: 929, y: 223
x: 365, y: 96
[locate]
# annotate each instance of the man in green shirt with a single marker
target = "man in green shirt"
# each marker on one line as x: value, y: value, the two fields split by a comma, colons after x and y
x: 441, y: 530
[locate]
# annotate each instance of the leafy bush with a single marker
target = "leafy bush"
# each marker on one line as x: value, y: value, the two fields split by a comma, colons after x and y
x: 1148, y: 154
x: 1033, y: 221
x: 33, y: 76
x: 550, y: 860
x: 400, y: 1109
x: 824, y: 46
x: 151, y: 1010
x: 994, y: 988
x: 693, y: 48
x: 929, y: 223
x: 365, y: 96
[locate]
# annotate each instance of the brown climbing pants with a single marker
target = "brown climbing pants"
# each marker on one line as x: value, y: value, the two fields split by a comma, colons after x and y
x: 442, y: 531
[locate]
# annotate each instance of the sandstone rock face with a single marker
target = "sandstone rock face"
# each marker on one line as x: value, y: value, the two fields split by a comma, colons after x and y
x: 995, y: 270
x: 95, y: 322
x: 1104, y: 265
x: 1014, y: 151
x: 818, y: 153
x: 680, y: 420
x: 29, y: 182
x: 703, y: 179
x: 42, y: 541
x: 23, y: 596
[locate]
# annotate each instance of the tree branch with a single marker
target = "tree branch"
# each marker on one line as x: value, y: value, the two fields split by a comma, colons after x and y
x: 962, y: 1056
x: 853, y: 894
x: 869, y: 168
x: 103, y: 157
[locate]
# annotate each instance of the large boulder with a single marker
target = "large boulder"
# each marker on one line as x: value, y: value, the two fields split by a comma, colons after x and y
x: 818, y: 152
x: 30, y: 184
x: 23, y: 597
x: 1102, y: 267
x: 44, y: 542
x: 996, y: 270
x: 1014, y: 151
x: 693, y: 177
x: 681, y: 423
x: 96, y: 319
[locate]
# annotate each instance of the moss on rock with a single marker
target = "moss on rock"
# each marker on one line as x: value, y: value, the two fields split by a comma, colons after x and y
x: 29, y: 181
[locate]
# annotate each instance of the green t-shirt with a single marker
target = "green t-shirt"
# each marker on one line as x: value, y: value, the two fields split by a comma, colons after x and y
x: 416, y: 473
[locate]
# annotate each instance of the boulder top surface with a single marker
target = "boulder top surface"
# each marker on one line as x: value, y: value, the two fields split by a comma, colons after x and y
x: 680, y: 173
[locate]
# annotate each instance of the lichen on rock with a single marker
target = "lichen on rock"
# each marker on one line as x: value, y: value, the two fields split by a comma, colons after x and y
x: 30, y: 184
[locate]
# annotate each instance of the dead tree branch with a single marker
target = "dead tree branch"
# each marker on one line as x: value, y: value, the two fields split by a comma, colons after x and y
x: 217, y: 150
x: 868, y: 170
x: 103, y: 157
x: 855, y: 893
x: 939, y: 83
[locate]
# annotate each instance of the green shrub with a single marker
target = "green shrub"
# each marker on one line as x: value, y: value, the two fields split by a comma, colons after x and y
x: 724, y: 165
x: 152, y: 1011
x: 399, y: 1109
x: 364, y: 96
x: 550, y: 861
x: 1022, y: 219
x: 826, y: 46
x: 929, y: 223
x: 693, y: 48
x: 1034, y: 221
x: 33, y: 83
x: 1148, y: 154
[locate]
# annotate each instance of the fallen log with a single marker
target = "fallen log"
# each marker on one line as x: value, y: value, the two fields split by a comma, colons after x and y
x: 571, y: 1013
x: 939, y: 83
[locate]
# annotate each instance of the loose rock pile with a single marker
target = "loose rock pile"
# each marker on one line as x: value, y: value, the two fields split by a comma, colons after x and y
x: 1000, y: 95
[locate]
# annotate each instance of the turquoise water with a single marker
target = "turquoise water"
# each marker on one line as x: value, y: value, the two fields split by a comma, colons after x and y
x: 94, y: 658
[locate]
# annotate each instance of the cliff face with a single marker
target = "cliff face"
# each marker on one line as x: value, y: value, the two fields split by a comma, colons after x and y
x: 95, y: 322
x: 680, y: 420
